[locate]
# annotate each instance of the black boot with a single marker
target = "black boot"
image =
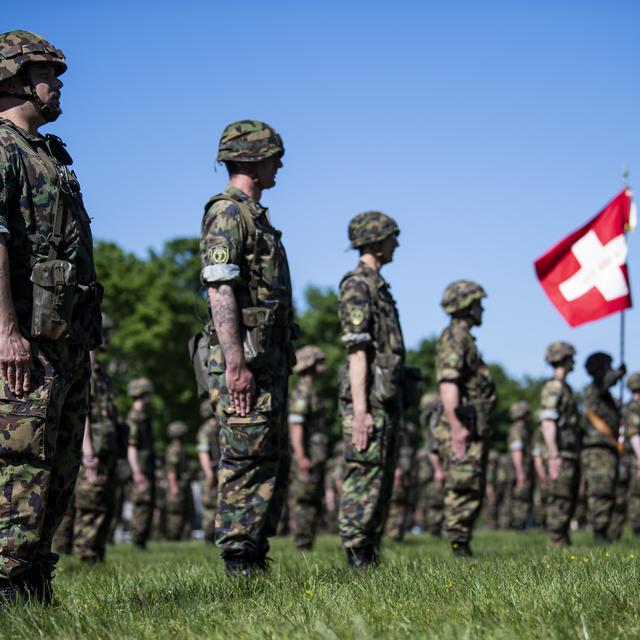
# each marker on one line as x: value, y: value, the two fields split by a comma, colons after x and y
x: 8, y: 592
x: 601, y: 537
x: 36, y: 584
x: 363, y: 557
x: 461, y: 550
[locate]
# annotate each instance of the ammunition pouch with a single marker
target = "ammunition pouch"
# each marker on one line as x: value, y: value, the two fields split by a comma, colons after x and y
x: 257, y: 334
x: 386, y: 378
x: 199, y: 355
x: 54, y: 285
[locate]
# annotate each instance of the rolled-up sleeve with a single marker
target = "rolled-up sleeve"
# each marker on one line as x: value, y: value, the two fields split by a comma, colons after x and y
x: 354, y: 310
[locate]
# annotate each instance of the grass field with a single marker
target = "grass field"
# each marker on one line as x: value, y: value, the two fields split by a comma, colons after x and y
x: 516, y: 587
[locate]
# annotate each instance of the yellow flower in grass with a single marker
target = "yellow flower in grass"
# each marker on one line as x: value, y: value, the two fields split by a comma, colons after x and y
x: 308, y: 593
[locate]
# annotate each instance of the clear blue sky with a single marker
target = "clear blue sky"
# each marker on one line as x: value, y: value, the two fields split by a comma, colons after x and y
x: 489, y: 130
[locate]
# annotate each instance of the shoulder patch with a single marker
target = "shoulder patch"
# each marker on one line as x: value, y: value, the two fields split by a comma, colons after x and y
x: 219, y: 255
x: 356, y: 316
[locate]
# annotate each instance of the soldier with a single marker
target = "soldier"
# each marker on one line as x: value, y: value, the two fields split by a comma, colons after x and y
x: 179, y: 498
x: 560, y: 425
x: 95, y: 490
x: 310, y: 445
x: 520, y: 445
x: 333, y: 487
x: 467, y: 393
x: 209, y: 458
x: 246, y: 272
x: 371, y: 399
x: 631, y: 423
x: 141, y: 456
x: 49, y: 316
x: 599, y: 455
x: 541, y: 484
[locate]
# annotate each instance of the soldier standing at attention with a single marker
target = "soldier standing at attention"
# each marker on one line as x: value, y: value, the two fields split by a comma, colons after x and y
x: 631, y: 422
x: 599, y: 455
x: 209, y: 458
x: 310, y: 446
x: 520, y: 445
x: 245, y: 269
x: 95, y: 490
x: 371, y: 398
x: 560, y: 425
x: 468, y: 394
x: 142, y: 460
x: 49, y: 316
x: 179, y: 499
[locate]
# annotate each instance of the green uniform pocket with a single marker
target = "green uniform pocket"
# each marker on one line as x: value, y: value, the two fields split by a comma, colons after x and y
x: 374, y: 453
x: 249, y: 436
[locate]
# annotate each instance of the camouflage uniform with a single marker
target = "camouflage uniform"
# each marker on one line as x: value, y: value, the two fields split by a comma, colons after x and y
x: 41, y: 447
x: 520, y: 439
x: 94, y: 500
x: 306, y: 408
x: 540, y: 488
x: 499, y: 481
x: 369, y: 321
x: 333, y: 488
x: 240, y: 247
x: 599, y: 456
x: 458, y: 361
x: 207, y: 441
x: 631, y: 423
x: 179, y: 506
x: 626, y: 471
x: 558, y: 404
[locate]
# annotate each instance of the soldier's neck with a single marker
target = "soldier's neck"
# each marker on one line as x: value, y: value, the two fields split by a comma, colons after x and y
x: 247, y: 185
x: 371, y: 261
x: 560, y: 373
x: 22, y: 116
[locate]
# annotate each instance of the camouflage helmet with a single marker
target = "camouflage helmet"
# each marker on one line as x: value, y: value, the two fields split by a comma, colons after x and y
x: 558, y: 351
x: 519, y: 410
x: 249, y: 141
x: 596, y: 361
x: 633, y: 382
x: 429, y: 400
x: 18, y: 48
x: 177, y: 429
x: 138, y: 387
x: 307, y: 356
x: 370, y: 227
x: 460, y: 294
x: 206, y: 410
x: 107, y: 323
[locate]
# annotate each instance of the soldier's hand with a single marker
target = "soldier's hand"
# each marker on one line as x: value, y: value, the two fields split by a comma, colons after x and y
x: 520, y: 479
x: 362, y: 428
x: 303, y: 465
x: 140, y: 481
x: 241, y: 387
x: 15, y: 362
x: 90, y: 464
x: 459, y: 441
x: 438, y: 476
x: 554, y: 467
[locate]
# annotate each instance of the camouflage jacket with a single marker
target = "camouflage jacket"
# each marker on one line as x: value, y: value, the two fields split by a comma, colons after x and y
x: 207, y: 440
x: 103, y: 415
x: 631, y: 419
x: 600, y: 402
x: 141, y: 437
x: 558, y: 403
x: 230, y: 253
x: 29, y: 175
x: 369, y: 319
x: 429, y: 419
x: 520, y: 438
x: 176, y: 460
x: 459, y: 361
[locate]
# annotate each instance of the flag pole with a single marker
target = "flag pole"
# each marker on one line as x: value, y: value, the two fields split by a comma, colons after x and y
x: 625, y: 182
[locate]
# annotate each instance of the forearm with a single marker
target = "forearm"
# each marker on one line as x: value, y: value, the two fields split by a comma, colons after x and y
x: 134, y: 462
x: 635, y: 445
x: 541, y: 472
x: 516, y: 458
x: 205, y: 464
x: 8, y: 317
x: 358, y: 381
x: 450, y: 397
x: 87, y: 447
x: 296, y: 436
x: 435, y: 462
x: 226, y: 320
x: 172, y: 482
x: 549, y: 433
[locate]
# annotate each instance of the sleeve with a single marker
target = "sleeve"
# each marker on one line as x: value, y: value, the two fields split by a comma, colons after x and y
x: 222, y: 245
x: 298, y: 405
x: 7, y: 185
x: 134, y: 429
x: 550, y: 401
x: 202, y: 439
x: 450, y: 357
x: 172, y: 458
x: 631, y: 421
x: 354, y: 310
x: 515, y: 439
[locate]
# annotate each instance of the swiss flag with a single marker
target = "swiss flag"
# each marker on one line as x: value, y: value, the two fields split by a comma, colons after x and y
x: 585, y: 275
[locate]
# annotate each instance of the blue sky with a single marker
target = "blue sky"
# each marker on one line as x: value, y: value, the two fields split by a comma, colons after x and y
x: 488, y: 130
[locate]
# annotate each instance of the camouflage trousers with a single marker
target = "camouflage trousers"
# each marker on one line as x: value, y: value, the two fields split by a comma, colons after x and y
x: 40, y: 454
x: 94, y: 505
x: 306, y: 504
x: 400, y: 506
x: 621, y: 500
x: 464, y: 488
x: 561, y: 500
x: 539, y: 504
x: 142, y: 514
x: 254, y: 467
x: 430, y: 508
x: 521, y: 504
x: 63, y: 538
x: 633, y: 506
x: 368, y: 482
x: 179, y: 513
x: 600, y: 472
x: 209, y: 499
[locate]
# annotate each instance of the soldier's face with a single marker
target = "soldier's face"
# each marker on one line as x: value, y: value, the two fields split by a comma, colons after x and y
x: 47, y: 86
x: 388, y: 248
x: 475, y: 311
x: 321, y: 367
x: 266, y: 171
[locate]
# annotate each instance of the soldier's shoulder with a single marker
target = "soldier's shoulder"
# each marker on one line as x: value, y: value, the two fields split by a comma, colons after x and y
x: 553, y: 386
x: 222, y: 206
x: 10, y: 149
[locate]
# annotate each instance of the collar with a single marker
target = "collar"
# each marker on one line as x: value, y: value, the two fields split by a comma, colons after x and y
x: 254, y: 206
x: 372, y: 274
x: 36, y: 138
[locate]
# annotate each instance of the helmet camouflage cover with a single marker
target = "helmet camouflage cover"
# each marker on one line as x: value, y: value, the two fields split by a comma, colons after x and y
x: 177, y: 429
x: 460, y: 294
x: 370, y: 227
x: 519, y: 410
x: 18, y: 48
x: 138, y: 387
x: 249, y: 141
x: 558, y: 351
x: 307, y: 356
x: 633, y: 382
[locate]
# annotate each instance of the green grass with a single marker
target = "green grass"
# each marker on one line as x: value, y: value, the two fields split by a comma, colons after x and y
x: 516, y: 587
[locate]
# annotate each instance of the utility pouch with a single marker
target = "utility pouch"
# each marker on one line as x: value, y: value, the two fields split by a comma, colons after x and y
x: 199, y: 355
x: 386, y: 376
x: 257, y: 325
x: 54, y: 284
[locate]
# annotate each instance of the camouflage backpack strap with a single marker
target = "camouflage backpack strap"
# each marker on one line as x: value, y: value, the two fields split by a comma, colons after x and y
x: 253, y: 236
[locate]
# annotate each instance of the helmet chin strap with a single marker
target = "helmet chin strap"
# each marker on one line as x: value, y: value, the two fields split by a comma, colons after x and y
x: 48, y: 112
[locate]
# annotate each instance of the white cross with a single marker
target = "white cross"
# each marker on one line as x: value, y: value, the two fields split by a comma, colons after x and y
x: 599, y: 267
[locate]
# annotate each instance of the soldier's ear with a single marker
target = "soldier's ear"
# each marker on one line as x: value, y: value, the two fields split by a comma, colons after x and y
x: 10, y: 86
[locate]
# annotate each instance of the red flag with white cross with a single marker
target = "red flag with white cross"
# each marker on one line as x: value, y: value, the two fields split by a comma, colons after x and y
x: 585, y: 275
